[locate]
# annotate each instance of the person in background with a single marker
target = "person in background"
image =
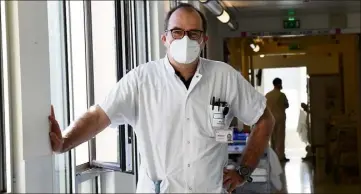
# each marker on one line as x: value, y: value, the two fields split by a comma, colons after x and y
x: 309, y: 154
x: 278, y: 103
x: 168, y: 103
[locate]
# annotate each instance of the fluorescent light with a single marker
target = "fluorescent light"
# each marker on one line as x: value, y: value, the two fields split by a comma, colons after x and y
x: 203, y: 1
x: 224, y: 18
x: 283, y: 54
x: 261, y: 56
x: 214, y: 7
x: 254, y: 47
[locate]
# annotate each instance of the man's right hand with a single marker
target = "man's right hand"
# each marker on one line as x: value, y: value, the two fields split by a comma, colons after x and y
x: 56, y: 137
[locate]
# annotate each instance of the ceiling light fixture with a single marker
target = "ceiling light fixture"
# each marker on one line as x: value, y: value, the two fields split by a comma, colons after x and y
x: 214, y: 7
x: 224, y: 17
x: 254, y: 47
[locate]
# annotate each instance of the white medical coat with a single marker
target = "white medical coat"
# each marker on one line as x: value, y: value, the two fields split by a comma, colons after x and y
x: 276, y: 169
x: 302, y: 127
x: 173, y: 124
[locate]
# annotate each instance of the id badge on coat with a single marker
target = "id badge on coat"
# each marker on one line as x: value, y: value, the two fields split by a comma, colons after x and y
x: 224, y: 135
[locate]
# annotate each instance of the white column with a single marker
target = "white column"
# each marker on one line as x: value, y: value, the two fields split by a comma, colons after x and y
x: 28, y: 50
x: 158, y: 11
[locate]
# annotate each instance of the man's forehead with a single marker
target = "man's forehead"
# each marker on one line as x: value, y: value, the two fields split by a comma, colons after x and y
x: 185, y: 19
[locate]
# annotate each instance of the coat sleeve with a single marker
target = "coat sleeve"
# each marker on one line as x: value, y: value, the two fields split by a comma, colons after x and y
x: 121, y: 103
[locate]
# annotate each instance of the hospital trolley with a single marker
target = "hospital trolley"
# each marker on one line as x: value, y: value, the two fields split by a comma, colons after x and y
x: 261, y: 182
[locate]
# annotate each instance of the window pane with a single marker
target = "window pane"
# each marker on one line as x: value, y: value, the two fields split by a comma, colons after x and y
x: 141, y: 32
x: 87, y: 186
x: 78, y: 78
x: 105, y: 72
x: 2, y: 139
x: 58, y: 85
x: 3, y: 155
x: 82, y: 153
x: 2, y: 145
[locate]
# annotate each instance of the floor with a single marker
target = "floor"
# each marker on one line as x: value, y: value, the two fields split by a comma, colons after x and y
x: 299, y: 176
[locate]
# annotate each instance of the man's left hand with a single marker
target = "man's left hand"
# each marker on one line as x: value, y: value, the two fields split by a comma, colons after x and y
x: 233, y: 179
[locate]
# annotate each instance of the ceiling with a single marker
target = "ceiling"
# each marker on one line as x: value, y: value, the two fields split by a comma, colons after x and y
x: 278, y: 7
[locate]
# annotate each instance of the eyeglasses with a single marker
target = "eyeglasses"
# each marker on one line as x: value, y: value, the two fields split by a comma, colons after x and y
x: 179, y: 34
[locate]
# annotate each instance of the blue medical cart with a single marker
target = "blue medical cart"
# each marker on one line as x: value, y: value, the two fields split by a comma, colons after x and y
x: 261, y: 176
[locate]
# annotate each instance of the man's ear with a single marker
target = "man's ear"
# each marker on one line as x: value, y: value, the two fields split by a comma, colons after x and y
x: 204, y: 42
x: 164, y: 39
x: 205, y: 39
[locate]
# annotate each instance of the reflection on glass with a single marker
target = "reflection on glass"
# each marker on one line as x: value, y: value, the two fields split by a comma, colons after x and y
x: 87, y: 186
x: 107, y: 146
x: 78, y: 79
x: 82, y: 153
x: 105, y: 72
x: 57, y: 70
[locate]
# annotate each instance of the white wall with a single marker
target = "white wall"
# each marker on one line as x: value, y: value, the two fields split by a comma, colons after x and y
x: 158, y: 11
x: 28, y: 50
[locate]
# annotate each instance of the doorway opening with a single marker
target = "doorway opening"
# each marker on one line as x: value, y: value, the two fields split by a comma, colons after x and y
x: 294, y: 81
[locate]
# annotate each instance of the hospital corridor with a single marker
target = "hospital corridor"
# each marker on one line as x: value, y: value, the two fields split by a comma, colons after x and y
x: 180, y: 96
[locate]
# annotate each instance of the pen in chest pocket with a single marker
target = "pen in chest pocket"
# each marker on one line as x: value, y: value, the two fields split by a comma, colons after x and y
x: 225, y: 110
x: 213, y: 101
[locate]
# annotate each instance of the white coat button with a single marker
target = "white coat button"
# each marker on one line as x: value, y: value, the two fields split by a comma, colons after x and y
x: 189, y: 165
x: 190, y: 188
x: 187, y: 119
x: 188, y: 142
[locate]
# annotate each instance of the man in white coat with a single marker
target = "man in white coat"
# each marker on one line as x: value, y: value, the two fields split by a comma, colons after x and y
x: 180, y: 108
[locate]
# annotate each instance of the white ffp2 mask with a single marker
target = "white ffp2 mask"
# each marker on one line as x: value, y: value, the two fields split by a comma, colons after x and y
x: 185, y: 50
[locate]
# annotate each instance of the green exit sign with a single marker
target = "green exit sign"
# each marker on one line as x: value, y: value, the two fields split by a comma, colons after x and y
x: 291, y: 24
